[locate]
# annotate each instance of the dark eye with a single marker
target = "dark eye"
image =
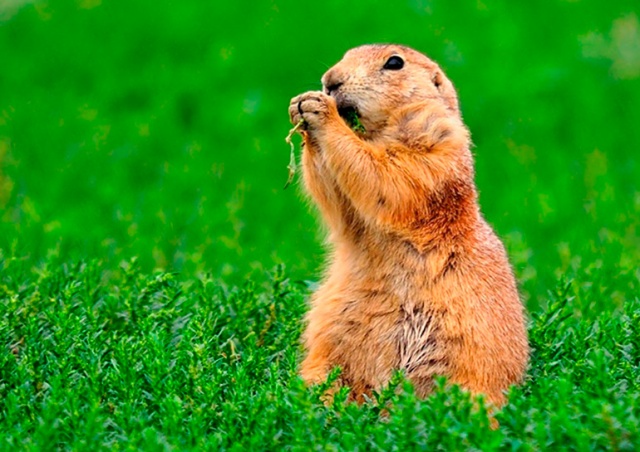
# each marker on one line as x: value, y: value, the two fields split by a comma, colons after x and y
x: 394, y: 63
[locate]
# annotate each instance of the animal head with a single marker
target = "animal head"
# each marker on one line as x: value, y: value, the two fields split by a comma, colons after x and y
x: 374, y: 80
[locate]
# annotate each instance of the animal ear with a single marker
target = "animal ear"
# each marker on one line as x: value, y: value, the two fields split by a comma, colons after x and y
x: 446, y: 89
x: 437, y: 79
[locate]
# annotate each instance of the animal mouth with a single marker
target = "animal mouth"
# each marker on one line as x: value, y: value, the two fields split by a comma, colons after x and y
x: 347, y: 111
x: 351, y: 116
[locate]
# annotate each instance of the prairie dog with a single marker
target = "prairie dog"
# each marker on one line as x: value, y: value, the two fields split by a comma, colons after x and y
x: 417, y: 280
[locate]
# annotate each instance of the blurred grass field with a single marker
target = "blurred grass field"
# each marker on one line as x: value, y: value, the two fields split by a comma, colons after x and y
x: 151, y: 134
x: 156, y: 130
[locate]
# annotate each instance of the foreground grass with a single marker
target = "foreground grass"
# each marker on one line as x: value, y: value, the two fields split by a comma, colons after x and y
x: 155, y: 362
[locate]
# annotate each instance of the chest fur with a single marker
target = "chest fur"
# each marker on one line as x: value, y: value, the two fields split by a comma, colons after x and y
x: 370, y: 341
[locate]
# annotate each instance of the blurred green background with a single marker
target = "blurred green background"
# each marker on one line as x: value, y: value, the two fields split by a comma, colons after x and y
x: 156, y: 129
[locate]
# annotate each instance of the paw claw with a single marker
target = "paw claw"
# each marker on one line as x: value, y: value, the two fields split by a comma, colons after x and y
x: 314, y: 107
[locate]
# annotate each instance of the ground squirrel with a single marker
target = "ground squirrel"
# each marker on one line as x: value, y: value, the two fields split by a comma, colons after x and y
x: 417, y: 280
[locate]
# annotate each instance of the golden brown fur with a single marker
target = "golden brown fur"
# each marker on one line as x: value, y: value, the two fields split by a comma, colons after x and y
x: 417, y: 279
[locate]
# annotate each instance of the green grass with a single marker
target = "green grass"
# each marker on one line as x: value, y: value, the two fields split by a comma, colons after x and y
x: 154, y: 274
x: 152, y: 361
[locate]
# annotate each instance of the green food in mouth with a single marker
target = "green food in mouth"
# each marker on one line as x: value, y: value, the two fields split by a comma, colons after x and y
x: 352, y: 118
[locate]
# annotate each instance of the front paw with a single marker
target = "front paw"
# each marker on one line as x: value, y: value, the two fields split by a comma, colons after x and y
x: 315, y: 107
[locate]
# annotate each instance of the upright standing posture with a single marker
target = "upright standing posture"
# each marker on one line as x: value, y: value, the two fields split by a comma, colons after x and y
x: 417, y: 279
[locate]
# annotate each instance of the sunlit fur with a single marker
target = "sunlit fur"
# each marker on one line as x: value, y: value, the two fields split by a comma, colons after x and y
x: 417, y: 280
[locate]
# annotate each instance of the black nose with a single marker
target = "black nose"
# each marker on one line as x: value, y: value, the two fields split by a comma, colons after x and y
x: 333, y: 88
